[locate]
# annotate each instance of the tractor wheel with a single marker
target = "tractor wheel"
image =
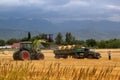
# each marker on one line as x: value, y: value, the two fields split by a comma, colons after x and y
x: 98, y: 57
x: 90, y: 56
x: 65, y: 57
x: 40, y: 56
x: 24, y: 55
x: 15, y: 56
x: 57, y: 56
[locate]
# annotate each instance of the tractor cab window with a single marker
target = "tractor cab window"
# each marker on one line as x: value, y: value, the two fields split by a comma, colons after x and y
x: 26, y: 46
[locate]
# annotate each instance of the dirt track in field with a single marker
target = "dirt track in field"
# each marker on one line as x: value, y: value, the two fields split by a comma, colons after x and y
x: 49, y: 58
x: 49, y: 55
x: 77, y: 63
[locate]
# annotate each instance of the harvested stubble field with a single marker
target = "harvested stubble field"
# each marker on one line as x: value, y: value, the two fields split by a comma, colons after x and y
x: 61, y: 69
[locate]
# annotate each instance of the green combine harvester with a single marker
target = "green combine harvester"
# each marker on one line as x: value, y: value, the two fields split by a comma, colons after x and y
x: 77, y: 52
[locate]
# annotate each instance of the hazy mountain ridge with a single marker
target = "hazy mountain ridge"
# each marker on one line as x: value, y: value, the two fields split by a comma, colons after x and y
x: 11, y: 33
x: 28, y: 24
x: 80, y: 29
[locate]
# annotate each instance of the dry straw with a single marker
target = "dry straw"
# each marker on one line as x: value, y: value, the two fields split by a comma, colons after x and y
x: 26, y: 70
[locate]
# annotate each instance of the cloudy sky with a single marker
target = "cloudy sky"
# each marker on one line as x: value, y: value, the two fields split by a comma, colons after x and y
x: 61, y: 10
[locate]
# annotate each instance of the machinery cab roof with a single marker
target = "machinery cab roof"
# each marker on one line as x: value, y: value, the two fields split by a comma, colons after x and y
x: 26, y: 42
x: 26, y: 45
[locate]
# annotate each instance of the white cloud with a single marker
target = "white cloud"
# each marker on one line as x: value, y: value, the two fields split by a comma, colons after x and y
x: 76, y: 3
x: 66, y: 9
x: 9, y: 2
x: 115, y: 18
x: 45, y: 3
x: 21, y: 2
x: 69, y: 7
x: 115, y: 7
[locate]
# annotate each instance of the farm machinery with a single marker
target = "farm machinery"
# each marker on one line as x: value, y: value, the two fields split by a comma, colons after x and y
x: 76, y: 52
x: 29, y: 51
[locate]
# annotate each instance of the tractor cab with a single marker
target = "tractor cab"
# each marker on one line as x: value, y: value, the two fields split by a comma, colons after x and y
x: 26, y: 46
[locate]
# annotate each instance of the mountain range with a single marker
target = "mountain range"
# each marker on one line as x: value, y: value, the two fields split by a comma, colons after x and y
x: 86, y: 29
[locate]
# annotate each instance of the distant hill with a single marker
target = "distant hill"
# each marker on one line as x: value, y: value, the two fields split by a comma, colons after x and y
x: 92, y: 29
x: 26, y: 24
x: 81, y: 29
x: 11, y: 33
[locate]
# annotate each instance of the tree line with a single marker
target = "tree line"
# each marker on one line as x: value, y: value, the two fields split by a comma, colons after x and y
x: 67, y: 39
x: 92, y: 43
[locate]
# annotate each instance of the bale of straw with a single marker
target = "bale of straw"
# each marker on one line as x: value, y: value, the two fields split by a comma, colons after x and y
x: 73, y: 46
x: 59, y: 47
x: 69, y: 47
x: 64, y: 47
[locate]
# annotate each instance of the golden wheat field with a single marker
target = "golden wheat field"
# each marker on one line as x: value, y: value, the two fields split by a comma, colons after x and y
x: 61, y: 69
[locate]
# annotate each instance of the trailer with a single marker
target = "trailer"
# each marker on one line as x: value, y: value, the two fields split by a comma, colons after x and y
x: 77, y: 53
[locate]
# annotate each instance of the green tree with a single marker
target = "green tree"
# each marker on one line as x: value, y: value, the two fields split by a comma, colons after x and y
x: 29, y: 36
x: 102, y: 44
x: 39, y: 37
x: 50, y: 38
x: 79, y: 42
x: 91, y: 42
x: 2, y: 42
x: 69, y: 38
x: 24, y: 39
x: 11, y: 41
x: 43, y: 36
x: 59, y: 38
x: 113, y: 43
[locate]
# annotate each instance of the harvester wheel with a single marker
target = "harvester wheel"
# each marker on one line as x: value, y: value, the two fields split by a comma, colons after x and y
x: 40, y: 56
x: 24, y: 55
